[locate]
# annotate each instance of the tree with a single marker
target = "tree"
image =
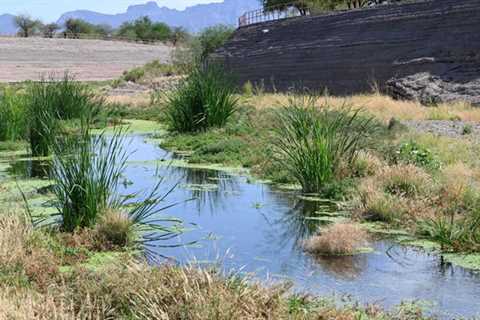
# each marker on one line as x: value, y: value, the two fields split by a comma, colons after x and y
x: 213, y: 38
x: 76, y: 27
x: 178, y: 35
x: 146, y: 30
x: 26, y: 25
x: 305, y: 7
x: 50, y: 29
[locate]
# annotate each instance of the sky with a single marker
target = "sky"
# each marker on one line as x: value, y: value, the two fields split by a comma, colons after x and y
x: 50, y: 10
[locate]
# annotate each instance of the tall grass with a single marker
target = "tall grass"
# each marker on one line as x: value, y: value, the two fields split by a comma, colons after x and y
x: 12, y: 116
x: 87, y: 170
x: 314, y: 143
x: 50, y: 103
x: 203, y: 100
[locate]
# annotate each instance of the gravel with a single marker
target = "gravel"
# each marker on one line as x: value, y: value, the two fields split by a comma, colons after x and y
x: 452, y: 129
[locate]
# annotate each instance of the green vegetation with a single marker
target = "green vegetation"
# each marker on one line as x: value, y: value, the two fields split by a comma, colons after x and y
x: 12, y: 116
x: 48, y: 103
x: 78, y: 28
x: 27, y: 26
x: 205, y: 99
x: 150, y: 70
x: 314, y: 144
x: 146, y: 30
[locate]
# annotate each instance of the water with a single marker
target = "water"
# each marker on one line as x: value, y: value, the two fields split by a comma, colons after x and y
x: 256, y: 229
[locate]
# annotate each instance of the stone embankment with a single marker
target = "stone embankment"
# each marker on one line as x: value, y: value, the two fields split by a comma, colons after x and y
x: 427, y: 50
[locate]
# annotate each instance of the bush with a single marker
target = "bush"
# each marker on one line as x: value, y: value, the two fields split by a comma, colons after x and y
x: 213, y: 38
x: 313, y: 144
x: 205, y: 99
x: 146, y: 30
x: 414, y: 153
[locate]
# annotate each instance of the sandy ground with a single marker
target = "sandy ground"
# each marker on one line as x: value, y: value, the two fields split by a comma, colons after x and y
x: 89, y: 60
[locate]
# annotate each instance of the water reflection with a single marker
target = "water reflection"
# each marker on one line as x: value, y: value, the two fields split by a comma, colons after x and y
x: 30, y: 168
x: 344, y: 267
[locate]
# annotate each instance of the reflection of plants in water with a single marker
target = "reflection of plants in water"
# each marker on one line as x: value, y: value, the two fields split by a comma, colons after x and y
x: 300, y: 222
x: 30, y: 168
x: 207, y: 186
x: 347, y: 267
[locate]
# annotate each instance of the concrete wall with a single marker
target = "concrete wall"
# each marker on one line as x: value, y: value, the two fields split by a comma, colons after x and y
x: 348, y: 51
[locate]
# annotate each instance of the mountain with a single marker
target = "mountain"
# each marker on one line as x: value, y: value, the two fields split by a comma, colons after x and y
x: 193, y: 18
x: 7, y: 24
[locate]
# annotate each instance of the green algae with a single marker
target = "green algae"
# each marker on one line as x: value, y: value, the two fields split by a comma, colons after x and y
x: 97, y: 261
x: 133, y: 126
x: 467, y: 261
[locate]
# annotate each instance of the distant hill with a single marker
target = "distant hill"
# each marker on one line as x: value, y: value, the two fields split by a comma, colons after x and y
x: 193, y: 18
x: 7, y: 24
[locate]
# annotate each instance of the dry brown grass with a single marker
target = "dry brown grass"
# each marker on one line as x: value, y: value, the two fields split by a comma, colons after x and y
x: 381, y: 106
x: 338, y: 239
x: 397, y: 194
x: 137, y: 100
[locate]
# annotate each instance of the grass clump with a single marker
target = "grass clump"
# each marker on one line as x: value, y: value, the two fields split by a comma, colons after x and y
x: 12, y: 116
x: 338, y: 239
x: 87, y: 170
x: 50, y: 104
x: 313, y: 144
x: 205, y: 99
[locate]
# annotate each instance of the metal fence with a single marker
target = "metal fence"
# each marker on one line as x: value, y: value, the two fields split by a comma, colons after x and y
x: 283, y: 11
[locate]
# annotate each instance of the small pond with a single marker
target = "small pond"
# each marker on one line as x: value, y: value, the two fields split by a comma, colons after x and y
x: 254, y: 228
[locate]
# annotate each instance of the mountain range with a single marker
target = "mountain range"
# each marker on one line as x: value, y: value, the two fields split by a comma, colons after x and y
x: 194, y: 18
x: 7, y: 24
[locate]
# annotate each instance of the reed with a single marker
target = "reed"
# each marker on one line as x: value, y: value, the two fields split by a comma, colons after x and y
x: 203, y: 100
x: 313, y: 143
x: 50, y: 103
x: 12, y: 116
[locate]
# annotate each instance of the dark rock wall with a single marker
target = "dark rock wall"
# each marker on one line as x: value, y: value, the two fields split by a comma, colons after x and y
x: 348, y: 51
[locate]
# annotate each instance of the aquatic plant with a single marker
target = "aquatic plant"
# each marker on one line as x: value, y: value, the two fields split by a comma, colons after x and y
x: 203, y: 100
x: 338, y: 239
x: 12, y: 116
x: 314, y: 143
x: 49, y: 103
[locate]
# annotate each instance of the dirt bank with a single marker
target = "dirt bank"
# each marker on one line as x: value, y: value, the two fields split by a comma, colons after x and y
x: 89, y: 60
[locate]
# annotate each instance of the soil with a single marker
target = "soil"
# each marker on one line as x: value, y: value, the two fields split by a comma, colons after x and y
x: 88, y: 60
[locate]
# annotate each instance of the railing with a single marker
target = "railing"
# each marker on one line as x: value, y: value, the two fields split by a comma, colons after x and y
x: 284, y: 11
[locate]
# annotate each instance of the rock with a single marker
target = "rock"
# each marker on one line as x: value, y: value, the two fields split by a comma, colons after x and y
x: 430, y: 89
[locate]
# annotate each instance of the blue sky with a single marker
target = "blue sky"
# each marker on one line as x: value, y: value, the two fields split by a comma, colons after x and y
x: 50, y: 10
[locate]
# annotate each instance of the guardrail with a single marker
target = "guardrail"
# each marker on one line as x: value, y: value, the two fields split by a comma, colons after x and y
x: 284, y: 11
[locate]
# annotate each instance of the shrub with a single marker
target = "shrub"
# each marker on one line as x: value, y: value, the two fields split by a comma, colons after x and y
x: 467, y: 129
x: 213, y: 38
x: 338, y: 239
x: 313, y: 143
x: 414, y: 153
x: 205, y: 99
x: 12, y: 116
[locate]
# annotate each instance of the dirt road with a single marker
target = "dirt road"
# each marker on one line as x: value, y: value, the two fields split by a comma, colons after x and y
x: 29, y: 59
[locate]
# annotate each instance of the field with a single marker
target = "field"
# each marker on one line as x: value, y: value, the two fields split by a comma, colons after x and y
x: 89, y: 60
